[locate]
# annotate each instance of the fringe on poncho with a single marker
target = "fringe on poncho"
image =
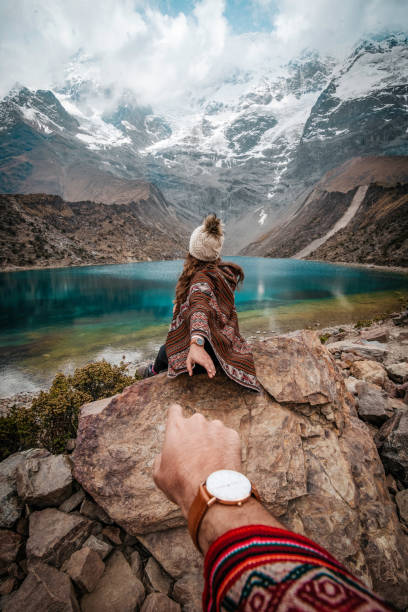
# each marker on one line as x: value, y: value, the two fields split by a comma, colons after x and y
x: 209, y: 310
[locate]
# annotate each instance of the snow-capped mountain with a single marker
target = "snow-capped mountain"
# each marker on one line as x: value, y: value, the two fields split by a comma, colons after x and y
x: 248, y: 148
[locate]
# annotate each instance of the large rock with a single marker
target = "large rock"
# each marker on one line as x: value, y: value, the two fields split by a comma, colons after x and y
x: 44, y: 479
x: 187, y: 591
x: 10, y: 544
x: 373, y: 404
x: 54, y: 535
x: 10, y: 504
x: 157, y: 602
x: 117, y: 591
x: 398, y: 372
x: 364, y: 351
x: 394, y: 452
x: 314, y: 463
x: 377, y: 334
x: 370, y: 371
x: 45, y: 589
x: 401, y: 499
x: 156, y: 579
x: 85, y: 568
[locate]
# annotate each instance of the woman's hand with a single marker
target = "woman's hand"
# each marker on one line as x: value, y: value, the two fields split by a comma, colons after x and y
x: 198, y: 354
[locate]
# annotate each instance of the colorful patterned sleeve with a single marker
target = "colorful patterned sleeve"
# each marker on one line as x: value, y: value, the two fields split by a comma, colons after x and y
x: 263, y: 568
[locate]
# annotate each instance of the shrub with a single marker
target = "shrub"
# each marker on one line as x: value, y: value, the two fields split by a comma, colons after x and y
x: 363, y: 323
x: 324, y: 338
x: 52, y: 417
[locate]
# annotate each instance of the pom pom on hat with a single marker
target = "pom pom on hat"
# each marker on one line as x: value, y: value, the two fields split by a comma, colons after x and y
x: 207, y: 239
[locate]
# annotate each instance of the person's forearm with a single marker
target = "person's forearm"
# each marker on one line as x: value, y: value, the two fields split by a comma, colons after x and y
x: 220, y: 518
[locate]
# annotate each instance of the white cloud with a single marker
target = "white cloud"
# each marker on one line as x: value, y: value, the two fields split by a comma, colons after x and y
x: 161, y: 57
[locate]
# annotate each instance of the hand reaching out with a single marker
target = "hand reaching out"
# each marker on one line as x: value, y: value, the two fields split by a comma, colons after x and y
x: 198, y: 354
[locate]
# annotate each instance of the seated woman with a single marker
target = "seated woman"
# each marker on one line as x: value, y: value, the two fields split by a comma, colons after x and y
x: 204, y: 330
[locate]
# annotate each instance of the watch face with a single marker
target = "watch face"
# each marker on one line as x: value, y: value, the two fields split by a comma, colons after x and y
x: 228, y: 485
x: 200, y: 341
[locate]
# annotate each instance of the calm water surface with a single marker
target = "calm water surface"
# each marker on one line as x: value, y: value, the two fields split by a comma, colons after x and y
x: 61, y: 318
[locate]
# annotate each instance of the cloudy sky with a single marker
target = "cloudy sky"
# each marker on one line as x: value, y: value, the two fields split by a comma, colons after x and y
x: 161, y: 49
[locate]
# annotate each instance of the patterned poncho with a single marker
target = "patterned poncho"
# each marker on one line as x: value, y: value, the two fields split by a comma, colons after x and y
x: 209, y: 310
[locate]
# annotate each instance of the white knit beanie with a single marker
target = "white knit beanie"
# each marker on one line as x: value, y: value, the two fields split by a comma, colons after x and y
x: 207, y: 239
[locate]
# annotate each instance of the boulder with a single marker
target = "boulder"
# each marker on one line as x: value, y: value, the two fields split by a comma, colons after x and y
x: 373, y: 405
x: 157, y: 602
x: 44, y: 479
x: 113, y: 534
x: 55, y: 535
x: 156, y: 579
x: 364, y: 351
x: 351, y: 384
x: 302, y: 448
x: 370, y: 371
x: 171, y: 545
x: 377, y: 334
x: 10, y: 504
x: 136, y: 564
x: 99, y: 546
x: 95, y: 512
x: 394, y: 451
x: 85, y: 567
x: 398, y: 372
x: 10, y: 544
x: 118, y: 590
x: 72, y: 502
x: 46, y: 589
x: 187, y: 591
x: 401, y: 500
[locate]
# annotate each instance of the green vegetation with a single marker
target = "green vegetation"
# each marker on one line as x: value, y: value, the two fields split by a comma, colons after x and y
x: 363, y: 323
x: 324, y: 338
x: 52, y: 417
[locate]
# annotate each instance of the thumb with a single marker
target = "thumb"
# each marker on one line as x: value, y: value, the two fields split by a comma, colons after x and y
x: 189, y: 365
x: 156, y: 467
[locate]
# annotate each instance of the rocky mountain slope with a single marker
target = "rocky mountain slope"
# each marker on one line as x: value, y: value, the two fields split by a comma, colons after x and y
x: 249, y: 148
x: 100, y: 529
x: 38, y: 230
x: 369, y: 196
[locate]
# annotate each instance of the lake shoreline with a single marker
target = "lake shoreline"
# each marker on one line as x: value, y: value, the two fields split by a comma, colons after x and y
x: 398, y: 269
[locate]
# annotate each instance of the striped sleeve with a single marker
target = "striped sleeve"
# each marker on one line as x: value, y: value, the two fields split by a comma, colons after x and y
x: 258, y: 567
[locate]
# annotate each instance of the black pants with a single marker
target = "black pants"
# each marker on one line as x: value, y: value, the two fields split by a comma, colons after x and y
x: 161, y: 362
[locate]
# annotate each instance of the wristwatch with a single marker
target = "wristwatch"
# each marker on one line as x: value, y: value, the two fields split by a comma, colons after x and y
x: 199, y: 340
x: 226, y: 487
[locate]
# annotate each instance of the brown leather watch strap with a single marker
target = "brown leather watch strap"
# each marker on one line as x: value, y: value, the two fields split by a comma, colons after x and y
x: 202, y: 501
x: 196, y: 513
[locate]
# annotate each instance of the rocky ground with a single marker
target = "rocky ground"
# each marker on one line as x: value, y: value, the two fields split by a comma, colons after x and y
x: 326, y: 443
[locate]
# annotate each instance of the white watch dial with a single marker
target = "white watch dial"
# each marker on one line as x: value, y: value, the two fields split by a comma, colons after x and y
x: 228, y: 485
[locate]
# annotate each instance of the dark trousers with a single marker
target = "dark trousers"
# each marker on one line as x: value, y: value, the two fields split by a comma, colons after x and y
x: 161, y: 362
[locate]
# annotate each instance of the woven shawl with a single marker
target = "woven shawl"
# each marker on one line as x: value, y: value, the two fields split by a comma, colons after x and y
x: 210, y: 311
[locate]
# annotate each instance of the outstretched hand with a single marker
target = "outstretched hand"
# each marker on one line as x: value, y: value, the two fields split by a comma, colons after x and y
x: 192, y: 449
x: 198, y: 354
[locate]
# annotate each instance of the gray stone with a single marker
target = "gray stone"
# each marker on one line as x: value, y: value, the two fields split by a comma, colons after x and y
x: 10, y: 544
x: 44, y: 479
x: 169, y: 546
x: 398, y: 372
x: 188, y: 591
x: 377, y: 334
x: 95, y: 512
x: 100, y: 546
x: 55, y: 535
x: 394, y: 452
x: 156, y: 578
x: 351, y: 383
x: 373, y: 405
x: 136, y: 564
x: 401, y: 500
x: 370, y: 371
x: 44, y: 590
x: 10, y: 505
x: 72, y: 502
x: 364, y: 351
x: 157, y: 602
x: 118, y: 590
x: 85, y: 568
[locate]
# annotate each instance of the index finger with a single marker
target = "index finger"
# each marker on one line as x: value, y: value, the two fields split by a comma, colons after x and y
x: 175, y: 413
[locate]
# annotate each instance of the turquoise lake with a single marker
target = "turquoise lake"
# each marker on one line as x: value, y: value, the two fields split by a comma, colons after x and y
x: 57, y: 319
